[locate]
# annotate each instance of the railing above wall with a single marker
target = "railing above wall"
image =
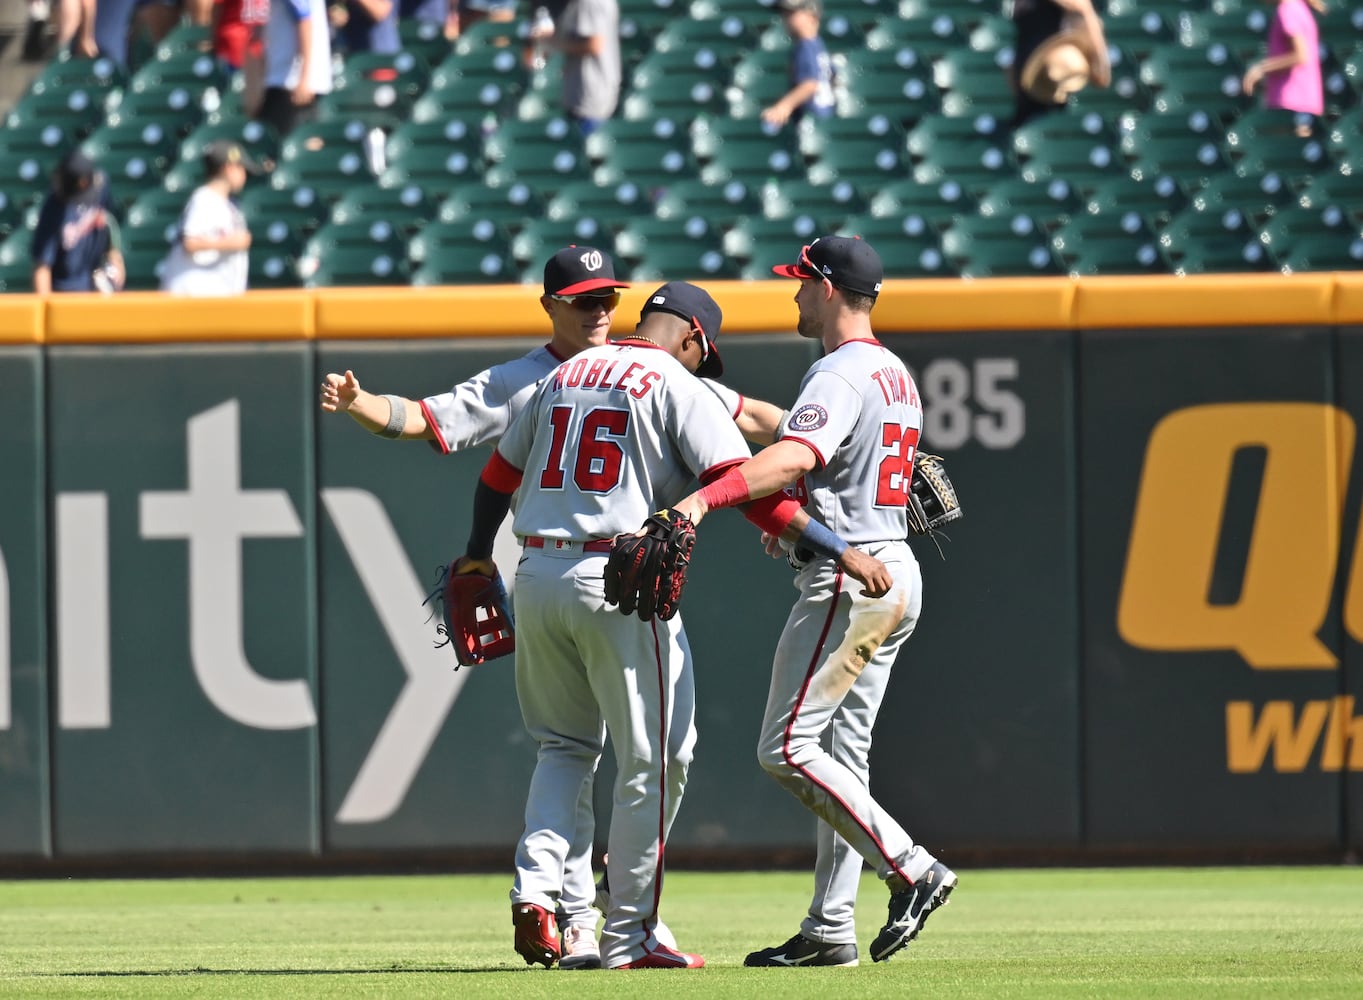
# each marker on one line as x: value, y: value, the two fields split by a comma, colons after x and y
x: 749, y: 307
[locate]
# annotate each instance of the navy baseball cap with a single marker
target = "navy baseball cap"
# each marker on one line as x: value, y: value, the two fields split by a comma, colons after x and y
x: 848, y: 262
x: 694, y: 305
x: 574, y: 270
x: 222, y: 152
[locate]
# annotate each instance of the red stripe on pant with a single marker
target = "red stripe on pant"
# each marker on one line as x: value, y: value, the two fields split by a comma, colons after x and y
x: 785, y: 741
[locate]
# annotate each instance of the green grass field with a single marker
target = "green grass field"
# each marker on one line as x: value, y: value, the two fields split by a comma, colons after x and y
x: 1243, y: 932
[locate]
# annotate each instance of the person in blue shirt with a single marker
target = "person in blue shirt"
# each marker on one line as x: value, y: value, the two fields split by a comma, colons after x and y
x: 366, y: 26
x: 74, y: 236
x: 811, y: 69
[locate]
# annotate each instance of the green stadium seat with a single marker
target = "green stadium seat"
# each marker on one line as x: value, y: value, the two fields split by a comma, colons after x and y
x: 842, y: 34
x: 1259, y: 197
x: 270, y: 267
x: 177, y: 107
x: 1244, y: 31
x: 931, y: 35
x: 639, y: 237
x: 1123, y: 227
x: 476, y: 238
x: 675, y: 83
x: 1051, y: 202
x: 509, y: 206
x: 739, y: 149
x: 685, y: 260
x: 133, y: 155
x: 14, y: 249
x: 940, y: 204
x: 726, y: 34
x: 1255, y: 150
x: 302, y: 207
x: 1341, y: 80
x: 77, y: 109
x: 1078, y: 146
x: 407, y: 207
x: 539, y: 238
x: 896, y: 83
x: 1139, y: 31
x: 726, y: 200
x: 1205, y: 78
x: 1344, y: 139
x: 461, y: 135
x: 352, y: 265
x: 1334, y: 188
x: 1284, y: 230
x: 583, y: 199
x: 939, y: 129
x: 992, y: 33
x: 424, y: 39
x: 1324, y: 252
x: 376, y: 88
x: 157, y: 209
x: 184, y: 37
x: 760, y: 237
x: 908, y: 247
x: 16, y: 276
x: 1225, y: 255
x: 542, y: 153
x: 280, y: 237
x: 975, y: 82
x: 760, y: 78
x: 1125, y: 93
x: 192, y: 68
x: 1213, y: 241
x: 11, y: 214
x: 143, y: 264
x: 325, y: 154
x: 490, y: 80
x: 482, y: 36
x: 450, y: 265
x: 994, y: 246
x: 66, y: 72
x: 431, y: 166
x: 862, y: 151
x: 1115, y: 256
x: 1192, y: 158
x: 974, y: 163
x: 44, y: 142
x: 649, y: 153
x: 829, y: 203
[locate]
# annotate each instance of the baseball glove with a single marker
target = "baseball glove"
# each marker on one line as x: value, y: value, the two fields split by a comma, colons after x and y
x: 475, y: 613
x: 932, y: 498
x: 645, y: 573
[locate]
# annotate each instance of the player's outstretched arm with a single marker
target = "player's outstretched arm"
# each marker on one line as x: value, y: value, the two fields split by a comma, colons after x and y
x: 873, y: 575
x: 388, y: 416
x: 758, y: 421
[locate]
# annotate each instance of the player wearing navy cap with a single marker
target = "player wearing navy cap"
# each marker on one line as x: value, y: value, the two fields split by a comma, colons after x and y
x: 850, y: 437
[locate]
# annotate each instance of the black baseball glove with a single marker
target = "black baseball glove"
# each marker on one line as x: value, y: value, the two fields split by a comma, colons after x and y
x: 932, y: 498
x: 646, y: 571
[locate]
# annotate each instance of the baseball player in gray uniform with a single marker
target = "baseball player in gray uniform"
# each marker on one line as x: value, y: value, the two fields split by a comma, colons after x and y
x: 850, y: 441
x: 606, y: 438
x: 580, y: 297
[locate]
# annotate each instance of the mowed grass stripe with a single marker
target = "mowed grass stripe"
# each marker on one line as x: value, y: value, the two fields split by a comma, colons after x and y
x: 1228, y: 932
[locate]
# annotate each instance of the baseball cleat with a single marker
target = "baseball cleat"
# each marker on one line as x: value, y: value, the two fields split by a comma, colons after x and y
x: 662, y: 957
x: 580, y: 950
x: 536, y: 934
x: 802, y: 951
x: 910, y: 908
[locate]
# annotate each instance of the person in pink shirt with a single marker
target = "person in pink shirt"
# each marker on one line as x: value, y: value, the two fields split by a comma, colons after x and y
x: 1291, y: 70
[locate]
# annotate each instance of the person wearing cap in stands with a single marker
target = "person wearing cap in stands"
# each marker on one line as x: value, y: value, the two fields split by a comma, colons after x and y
x: 811, y: 69
x: 211, y: 246
x: 1059, y: 49
x: 75, y: 241
x: 580, y: 297
x: 850, y: 441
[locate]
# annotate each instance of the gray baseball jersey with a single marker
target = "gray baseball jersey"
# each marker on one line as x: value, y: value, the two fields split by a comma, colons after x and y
x: 475, y: 412
x: 859, y: 411
x: 610, y: 436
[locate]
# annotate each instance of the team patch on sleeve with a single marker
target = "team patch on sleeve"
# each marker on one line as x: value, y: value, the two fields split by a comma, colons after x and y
x: 809, y: 417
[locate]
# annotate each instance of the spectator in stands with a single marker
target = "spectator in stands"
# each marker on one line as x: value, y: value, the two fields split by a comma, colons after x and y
x: 113, y: 22
x: 1291, y: 70
x: 238, y: 42
x: 297, y: 63
x: 811, y: 69
x: 75, y: 244
x: 209, y: 255
x: 470, y: 12
x: 75, y: 28
x: 1060, y: 48
x: 366, y: 26
x: 587, y: 32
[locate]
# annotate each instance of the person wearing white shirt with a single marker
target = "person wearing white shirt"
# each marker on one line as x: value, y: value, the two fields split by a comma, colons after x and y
x: 210, y: 251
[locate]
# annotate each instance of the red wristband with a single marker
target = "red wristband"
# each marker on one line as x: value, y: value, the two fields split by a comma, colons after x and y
x: 728, y: 490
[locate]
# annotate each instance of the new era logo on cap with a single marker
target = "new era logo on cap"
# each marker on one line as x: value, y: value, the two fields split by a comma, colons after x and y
x: 574, y: 270
x: 693, y: 304
x: 848, y: 262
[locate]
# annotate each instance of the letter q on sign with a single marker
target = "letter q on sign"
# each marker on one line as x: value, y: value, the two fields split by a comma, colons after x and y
x: 591, y: 260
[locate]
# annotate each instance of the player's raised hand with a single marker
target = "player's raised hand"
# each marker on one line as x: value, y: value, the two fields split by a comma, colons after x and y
x: 339, y: 392
x: 870, y: 572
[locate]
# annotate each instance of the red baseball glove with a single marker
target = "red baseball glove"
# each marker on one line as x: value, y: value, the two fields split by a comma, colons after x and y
x: 476, y: 614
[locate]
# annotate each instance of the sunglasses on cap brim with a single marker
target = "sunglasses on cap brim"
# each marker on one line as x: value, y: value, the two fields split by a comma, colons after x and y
x: 589, y: 300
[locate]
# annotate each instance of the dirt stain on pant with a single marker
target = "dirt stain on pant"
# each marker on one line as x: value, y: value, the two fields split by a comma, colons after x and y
x: 870, y: 623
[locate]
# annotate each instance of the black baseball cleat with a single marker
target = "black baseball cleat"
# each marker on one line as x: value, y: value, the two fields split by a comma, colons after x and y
x: 801, y: 951
x: 910, y: 908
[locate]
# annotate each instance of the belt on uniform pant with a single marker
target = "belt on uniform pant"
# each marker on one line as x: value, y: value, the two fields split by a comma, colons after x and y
x: 536, y: 542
